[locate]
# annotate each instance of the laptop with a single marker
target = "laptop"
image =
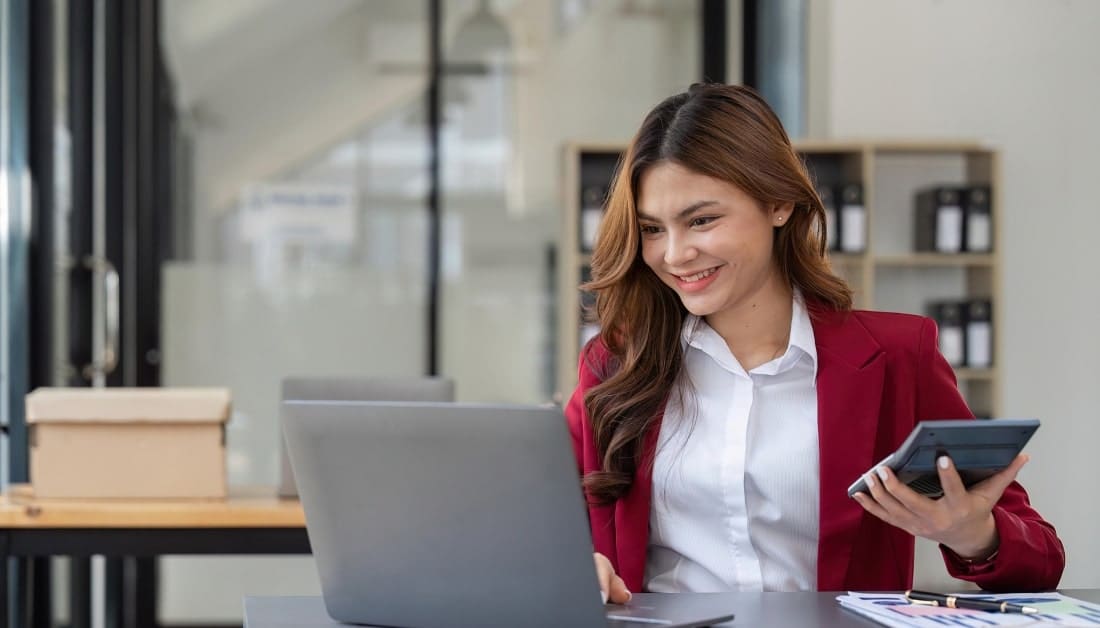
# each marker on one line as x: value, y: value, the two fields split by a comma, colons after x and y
x: 356, y: 389
x: 456, y: 515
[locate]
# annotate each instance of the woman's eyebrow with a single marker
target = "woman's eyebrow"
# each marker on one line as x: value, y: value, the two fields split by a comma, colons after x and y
x: 683, y: 213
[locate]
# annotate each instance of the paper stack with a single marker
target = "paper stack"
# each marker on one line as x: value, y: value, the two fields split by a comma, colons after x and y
x: 892, y: 609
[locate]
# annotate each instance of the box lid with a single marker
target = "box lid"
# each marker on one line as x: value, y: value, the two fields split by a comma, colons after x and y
x: 128, y: 405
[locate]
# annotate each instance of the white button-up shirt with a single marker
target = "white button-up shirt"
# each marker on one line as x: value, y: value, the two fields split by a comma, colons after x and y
x: 735, y: 478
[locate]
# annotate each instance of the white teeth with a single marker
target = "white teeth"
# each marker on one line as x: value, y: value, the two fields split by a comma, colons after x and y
x: 698, y: 276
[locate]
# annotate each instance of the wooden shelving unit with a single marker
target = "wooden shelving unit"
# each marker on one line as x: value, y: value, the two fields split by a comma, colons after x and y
x: 887, y: 275
x: 585, y: 165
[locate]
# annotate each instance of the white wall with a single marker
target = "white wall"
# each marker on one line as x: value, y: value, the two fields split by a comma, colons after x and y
x: 1025, y: 76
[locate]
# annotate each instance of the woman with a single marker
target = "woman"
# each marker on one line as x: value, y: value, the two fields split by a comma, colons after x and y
x: 733, y: 394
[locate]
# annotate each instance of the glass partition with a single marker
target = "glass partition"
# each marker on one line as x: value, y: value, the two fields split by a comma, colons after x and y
x: 301, y: 227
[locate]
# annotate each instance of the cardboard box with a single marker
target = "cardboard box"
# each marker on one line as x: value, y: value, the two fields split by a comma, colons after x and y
x: 128, y: 442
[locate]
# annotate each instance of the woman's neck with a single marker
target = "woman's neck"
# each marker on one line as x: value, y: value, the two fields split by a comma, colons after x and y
x: 758, y: 329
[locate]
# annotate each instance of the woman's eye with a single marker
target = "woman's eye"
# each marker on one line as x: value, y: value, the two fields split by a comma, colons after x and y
x: 650, y: 229
x: 702, y: 220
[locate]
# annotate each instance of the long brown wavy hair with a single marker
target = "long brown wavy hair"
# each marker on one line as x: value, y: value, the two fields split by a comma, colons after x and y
x: 729, y: 133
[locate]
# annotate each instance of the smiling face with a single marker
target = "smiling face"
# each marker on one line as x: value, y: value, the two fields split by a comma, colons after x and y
x: 708, y: 240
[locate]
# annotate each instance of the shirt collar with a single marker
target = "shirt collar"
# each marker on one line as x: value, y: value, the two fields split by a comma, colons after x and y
x: 696, y: 333
x: 802, y: 330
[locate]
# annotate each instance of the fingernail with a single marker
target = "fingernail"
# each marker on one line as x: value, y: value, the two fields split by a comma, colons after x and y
x: 629, y: 596
x: 869, y: 478
x: 603, y: 596
x: 882, y: 473
x: 943, y: 462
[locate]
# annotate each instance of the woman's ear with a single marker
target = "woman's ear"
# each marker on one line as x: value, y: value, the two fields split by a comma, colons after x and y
x: 781, y: 213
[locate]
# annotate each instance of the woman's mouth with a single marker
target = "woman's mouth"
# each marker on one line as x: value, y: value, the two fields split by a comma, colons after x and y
x: 697, y: 281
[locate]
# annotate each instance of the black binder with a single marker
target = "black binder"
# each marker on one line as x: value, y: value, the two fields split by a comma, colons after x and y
x: 832, y: 239
x: 939, y: 220
x: 979, y: 225
x: 852, y: 235
x: 979, y: 334
x: 949, y: 317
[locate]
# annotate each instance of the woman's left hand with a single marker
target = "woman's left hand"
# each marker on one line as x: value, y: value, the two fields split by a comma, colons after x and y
x: 962, y: 519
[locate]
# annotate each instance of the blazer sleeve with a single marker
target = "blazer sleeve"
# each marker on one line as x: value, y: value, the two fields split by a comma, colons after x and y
x: 1030, y: 556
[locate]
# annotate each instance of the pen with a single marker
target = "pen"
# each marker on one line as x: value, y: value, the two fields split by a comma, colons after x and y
x: 954, y: 601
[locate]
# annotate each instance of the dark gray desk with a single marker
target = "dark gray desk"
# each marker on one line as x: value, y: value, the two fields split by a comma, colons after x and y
x: 811, y: 610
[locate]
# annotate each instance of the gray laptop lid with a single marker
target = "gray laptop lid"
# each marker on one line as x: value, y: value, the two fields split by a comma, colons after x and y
x: 431, y: 515
x: 356, y: 389
x: 435, y: 515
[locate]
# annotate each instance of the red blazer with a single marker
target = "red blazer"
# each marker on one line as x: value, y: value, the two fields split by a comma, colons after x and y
x: 878, y: 375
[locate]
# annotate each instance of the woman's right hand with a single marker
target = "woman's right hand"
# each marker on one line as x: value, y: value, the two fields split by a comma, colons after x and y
x: 612, y: 587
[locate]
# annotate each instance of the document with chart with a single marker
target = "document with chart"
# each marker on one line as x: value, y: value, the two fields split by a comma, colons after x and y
x: 893, y: 609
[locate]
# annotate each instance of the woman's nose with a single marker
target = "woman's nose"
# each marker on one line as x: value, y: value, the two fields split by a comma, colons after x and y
x: 679, y: 250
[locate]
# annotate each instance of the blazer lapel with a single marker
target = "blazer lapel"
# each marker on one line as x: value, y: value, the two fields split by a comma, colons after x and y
x: 850, y: 374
